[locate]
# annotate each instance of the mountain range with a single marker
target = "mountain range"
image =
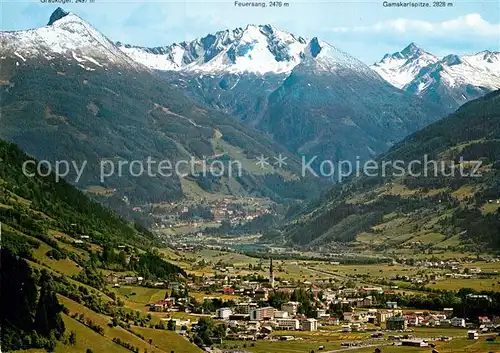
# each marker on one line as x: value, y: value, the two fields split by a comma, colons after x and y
x: 273, y: 80
x: 266, y: 50
x: 68, y: 93
x: 306, y: 94
x: 254, y: 49
x: 449, y: 81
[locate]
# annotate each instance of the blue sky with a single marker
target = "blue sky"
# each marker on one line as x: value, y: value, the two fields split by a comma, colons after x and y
x: 365, y: 29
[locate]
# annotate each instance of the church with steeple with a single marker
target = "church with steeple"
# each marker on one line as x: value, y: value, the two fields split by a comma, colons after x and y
x: 271, y: 274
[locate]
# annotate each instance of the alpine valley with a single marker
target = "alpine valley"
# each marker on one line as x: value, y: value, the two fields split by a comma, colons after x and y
x: 306, y: 94
x: 134, y: 246
x: 69, y: 93
x: 436, y: 207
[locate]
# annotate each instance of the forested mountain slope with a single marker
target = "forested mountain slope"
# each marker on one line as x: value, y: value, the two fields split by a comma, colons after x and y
x: 434, y: 206
x: 69, y: 94
x: 307, y: 94
x: 57, y: 245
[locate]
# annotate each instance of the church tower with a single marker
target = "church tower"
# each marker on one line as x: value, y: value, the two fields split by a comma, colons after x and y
x: 271, y: 274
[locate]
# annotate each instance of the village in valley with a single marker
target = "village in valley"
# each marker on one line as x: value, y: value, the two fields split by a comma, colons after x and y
x: 233, y: 302
x: 200, y: 217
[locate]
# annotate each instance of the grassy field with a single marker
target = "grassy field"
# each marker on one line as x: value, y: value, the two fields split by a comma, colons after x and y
x: 308, y: 345
x: 235, y: 259
x: 199, y: 296
x: 238, y: 154
x: 99, y: 190
x: 477, y: 284
x: 137, y: 298
x: 451, y: 241
x: 109, y: 332
x: 490, y: 207
x: 194, y: 192
x: 485, y: 266
x: 64, y: 266
x: 87, y: 338
x: 163, y: 339
x: 141, y: 295
x: 50, y: 270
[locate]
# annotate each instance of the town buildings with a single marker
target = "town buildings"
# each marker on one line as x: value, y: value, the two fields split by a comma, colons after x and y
x: 262, y: 313
x: 290, y: 308
x: 223, y: 313
x: 396, y: 323
x: 310, y: 325
x: 457, y: 322
x: 472, y: 335
x: 288, y: 324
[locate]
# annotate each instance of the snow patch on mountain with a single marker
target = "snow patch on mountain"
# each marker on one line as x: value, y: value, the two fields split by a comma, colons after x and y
x: 400, y: 68
x: 327, y: 58
x: 68, y: 36
x: 256, y: 49
x: 416, y: 70
x: 480, y: 70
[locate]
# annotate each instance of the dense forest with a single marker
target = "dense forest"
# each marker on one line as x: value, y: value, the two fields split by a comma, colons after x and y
x: 31, y: 313
x: 69, y: 209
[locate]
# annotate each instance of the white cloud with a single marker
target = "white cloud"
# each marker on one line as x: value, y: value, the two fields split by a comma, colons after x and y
x: 470, y: 24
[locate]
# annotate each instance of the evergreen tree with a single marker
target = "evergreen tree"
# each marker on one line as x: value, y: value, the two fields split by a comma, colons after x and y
x: 72, y: 338
x: 48, y: 318
x: 19, y: 292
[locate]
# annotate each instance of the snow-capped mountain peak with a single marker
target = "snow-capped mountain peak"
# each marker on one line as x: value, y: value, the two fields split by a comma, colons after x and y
x: 486, y: 61
x: 257, y: 49
x: 449, y: 81
x: 65, y: 36
x: 411, y: 50
x: 323, y: 57
x: 400, y: 68
x: 480, y: 70
x: 451, y: 60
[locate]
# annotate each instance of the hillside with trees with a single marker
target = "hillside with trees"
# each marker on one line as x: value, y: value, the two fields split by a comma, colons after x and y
x: 434, y: 206
x: 57, y: 247
x: 60, y: 112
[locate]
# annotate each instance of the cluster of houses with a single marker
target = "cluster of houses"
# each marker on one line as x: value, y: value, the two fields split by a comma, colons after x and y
x: 116, y: 280
x: 225, y: 209
x: 253, y: 322
x: 82, y: 240
x: 360, y: 313
x: 455, y: 273
x: 356, y: 308
x: 397, y: 320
